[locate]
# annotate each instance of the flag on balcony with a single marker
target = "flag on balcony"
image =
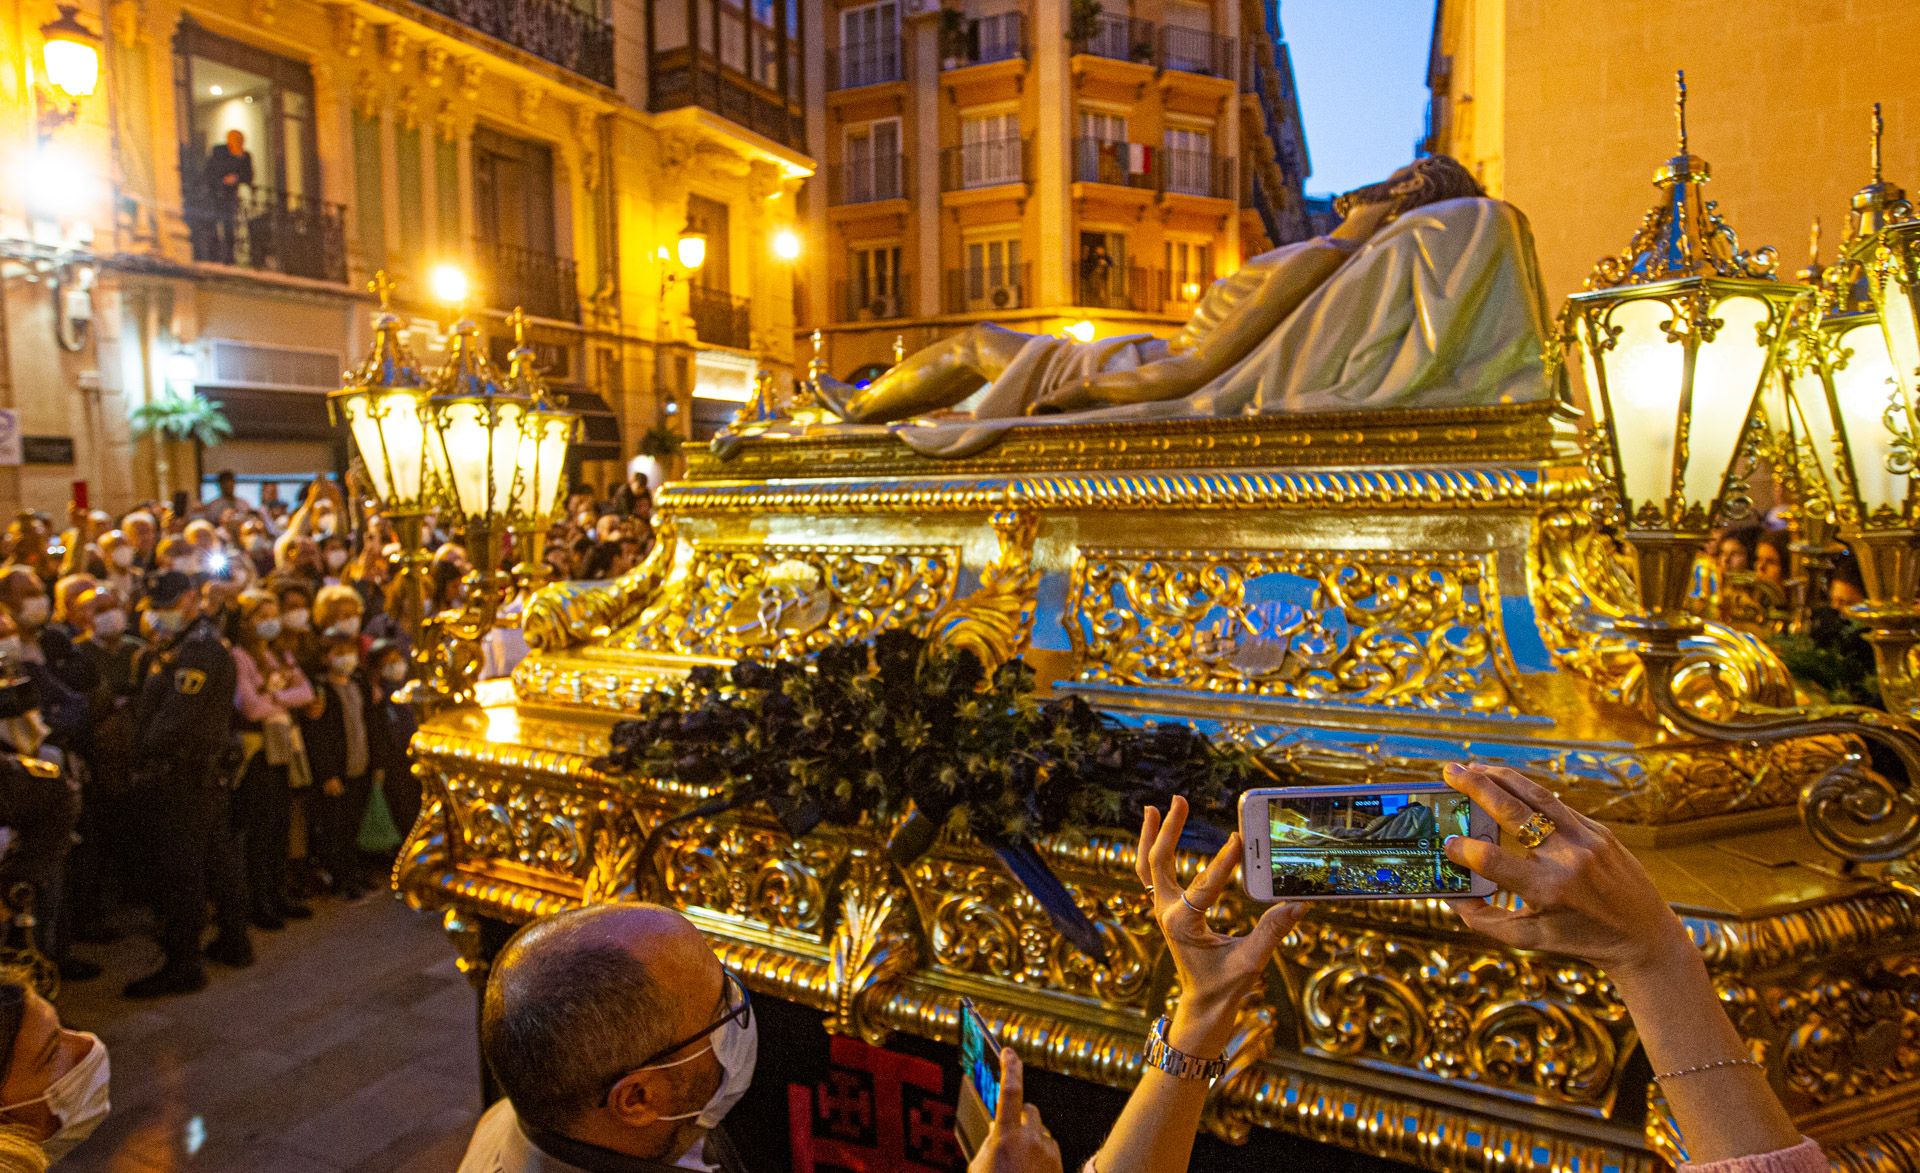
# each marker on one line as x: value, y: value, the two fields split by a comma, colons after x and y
x: 1137, y: 158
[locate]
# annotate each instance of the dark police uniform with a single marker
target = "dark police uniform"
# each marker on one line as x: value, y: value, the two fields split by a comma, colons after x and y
x: 183, y: 734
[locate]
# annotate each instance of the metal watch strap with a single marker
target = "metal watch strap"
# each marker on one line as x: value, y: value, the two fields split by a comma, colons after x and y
x: 1177, y: 1063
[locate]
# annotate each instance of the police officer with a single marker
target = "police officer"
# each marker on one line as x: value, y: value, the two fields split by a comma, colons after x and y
x: 183, y: 731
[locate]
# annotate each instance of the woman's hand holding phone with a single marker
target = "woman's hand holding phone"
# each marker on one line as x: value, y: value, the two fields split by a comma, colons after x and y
x: 1584, y: 894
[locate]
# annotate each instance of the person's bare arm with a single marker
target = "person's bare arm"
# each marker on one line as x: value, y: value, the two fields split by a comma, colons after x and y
x: 1156, y: 1129
x: 1586, y: 896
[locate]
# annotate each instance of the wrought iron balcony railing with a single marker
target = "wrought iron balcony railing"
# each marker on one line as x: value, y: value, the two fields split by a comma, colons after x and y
x: 988, y: 39
x: 720, y: 318
x: 1196, y: 51
x: 1119, y: 38
x: 551, y: 30
x: 987, y: 163
x: 1109, y: 287
x: 852, y: 66
x: 988, y: 289
x: 875, y: 300
x: 544, y: 285
x: 1196, y: 173
x: 681, y: 78
x: 867, y: 181
x: 273, y: 231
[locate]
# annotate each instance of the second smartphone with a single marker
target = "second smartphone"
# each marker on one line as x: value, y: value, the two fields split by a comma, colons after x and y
x: 1348, y: 842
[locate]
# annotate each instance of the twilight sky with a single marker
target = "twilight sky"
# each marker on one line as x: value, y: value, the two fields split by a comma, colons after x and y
x: 1361, y: 66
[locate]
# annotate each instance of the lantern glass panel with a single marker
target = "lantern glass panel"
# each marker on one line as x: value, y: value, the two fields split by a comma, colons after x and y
x: 1643, y: 373
x: 393, y: 444
x: 1861, y: 391
x: 1899, y: 328
x: 1813, y: 424
x: 1726, y: 376
x: 543, y: 461
x: 474, y: 451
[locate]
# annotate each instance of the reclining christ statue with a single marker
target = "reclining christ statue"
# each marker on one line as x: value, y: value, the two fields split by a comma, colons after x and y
x: 1426, y: 295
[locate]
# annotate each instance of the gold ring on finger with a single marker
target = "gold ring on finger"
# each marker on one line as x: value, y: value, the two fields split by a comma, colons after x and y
x: 1535, y: 831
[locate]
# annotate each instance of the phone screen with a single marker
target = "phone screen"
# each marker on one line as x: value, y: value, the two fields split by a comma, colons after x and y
x: 1366, y: 844
x: 980, y: 1056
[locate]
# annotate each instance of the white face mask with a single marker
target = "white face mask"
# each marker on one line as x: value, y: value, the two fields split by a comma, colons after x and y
x: 267, y: 629
x: 34, y: 611
x: 110, y: 624
x: 348, y: 626
x: 343, y: 665
x: 123, y: 556
x: 336, y: 559
x: 737, y: 1048
x: 394, y: 671
x: 10, y: 650
x: 297, y: 619
x: 77, y: 1099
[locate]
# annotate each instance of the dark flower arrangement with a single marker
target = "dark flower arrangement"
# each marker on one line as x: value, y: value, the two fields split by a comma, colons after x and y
x: 898, y: 726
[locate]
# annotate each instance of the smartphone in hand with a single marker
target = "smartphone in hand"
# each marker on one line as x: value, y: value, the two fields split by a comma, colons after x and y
x: 1358, y: 842
x: 980, y: 1082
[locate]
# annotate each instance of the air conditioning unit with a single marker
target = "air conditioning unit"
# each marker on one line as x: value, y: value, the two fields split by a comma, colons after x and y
x: 886, y: 305
x: 1004, y: 296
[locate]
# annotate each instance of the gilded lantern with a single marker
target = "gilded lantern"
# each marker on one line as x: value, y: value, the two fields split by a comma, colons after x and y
x: 380, y: 402
x: 1677, y: 335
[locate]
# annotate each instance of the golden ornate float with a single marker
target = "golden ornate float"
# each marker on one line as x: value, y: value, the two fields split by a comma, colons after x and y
x: 1363, y: 597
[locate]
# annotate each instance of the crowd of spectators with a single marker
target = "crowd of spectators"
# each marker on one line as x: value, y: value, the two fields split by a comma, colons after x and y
x: 203, y: 704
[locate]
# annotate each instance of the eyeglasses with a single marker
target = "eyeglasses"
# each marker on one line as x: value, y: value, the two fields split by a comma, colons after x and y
x: 739, y: 1007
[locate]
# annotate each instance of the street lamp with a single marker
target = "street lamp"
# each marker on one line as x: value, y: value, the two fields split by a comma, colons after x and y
x: 786, y: 244
x: 1678, y: 335
x: 450, y: 287
x: 71, y: 58
x: 691, y: 248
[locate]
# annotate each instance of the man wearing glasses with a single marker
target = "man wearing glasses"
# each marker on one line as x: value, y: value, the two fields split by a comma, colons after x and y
x: 620, y: 1042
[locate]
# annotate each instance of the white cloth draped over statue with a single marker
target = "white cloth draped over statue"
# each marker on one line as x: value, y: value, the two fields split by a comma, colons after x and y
x: 1442, y: 308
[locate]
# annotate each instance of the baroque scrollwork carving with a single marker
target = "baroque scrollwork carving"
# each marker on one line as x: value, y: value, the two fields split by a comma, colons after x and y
x: 995, y: 621
x: 1836, y: 1034
x: 753, y: 600
x: 872, y: 947
x: 1404, y: 629
x: 1538, y: 1027
x: 980, y: 922
x: 569, y: 613
x: 759, y: 874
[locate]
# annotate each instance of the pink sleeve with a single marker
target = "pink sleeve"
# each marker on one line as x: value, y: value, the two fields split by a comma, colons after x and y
x: 253, y: 704
x: 298, y: 693
x: 1804, y: 1157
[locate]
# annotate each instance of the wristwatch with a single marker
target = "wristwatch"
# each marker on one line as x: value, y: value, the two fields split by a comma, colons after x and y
x: 1178, y: 1063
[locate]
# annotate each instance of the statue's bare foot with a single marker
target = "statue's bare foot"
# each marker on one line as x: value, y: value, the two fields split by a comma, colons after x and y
x: 837, y: 395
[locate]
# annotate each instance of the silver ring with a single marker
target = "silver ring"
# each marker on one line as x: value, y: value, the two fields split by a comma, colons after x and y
x: 1149, y: 891
x: 1191, y: 904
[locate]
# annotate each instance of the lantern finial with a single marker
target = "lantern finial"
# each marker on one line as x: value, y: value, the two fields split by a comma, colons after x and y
x: 388, y: 362
x: 1877, y: 204
x: 1683, y: 235
x: 1680, y: 106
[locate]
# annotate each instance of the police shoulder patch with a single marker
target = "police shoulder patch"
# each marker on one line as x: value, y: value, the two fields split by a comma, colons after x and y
x: 189, y: 681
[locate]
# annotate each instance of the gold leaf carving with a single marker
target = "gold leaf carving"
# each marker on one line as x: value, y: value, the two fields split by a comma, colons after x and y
x: 996, y: 620
x: 1405, y: 629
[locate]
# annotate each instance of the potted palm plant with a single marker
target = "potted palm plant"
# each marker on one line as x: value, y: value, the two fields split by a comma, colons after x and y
x: 174, y: 416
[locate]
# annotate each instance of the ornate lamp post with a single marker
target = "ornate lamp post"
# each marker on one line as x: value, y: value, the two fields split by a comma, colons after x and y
x: 379, y: 403
x: 499, y: 448
x: 491, y: 454
x: 1679, y: 336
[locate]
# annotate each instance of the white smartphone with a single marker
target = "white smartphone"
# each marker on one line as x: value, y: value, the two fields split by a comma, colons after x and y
x: 1358, y: 842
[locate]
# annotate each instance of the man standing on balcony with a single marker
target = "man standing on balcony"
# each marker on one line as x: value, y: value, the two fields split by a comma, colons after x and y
x: 229, y: 167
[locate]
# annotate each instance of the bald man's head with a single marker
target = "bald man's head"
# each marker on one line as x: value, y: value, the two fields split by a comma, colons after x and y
x: 578, y: 999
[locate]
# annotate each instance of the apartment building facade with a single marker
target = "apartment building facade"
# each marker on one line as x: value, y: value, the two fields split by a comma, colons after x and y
x: 1047, y: 164
x: 556, y: 150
